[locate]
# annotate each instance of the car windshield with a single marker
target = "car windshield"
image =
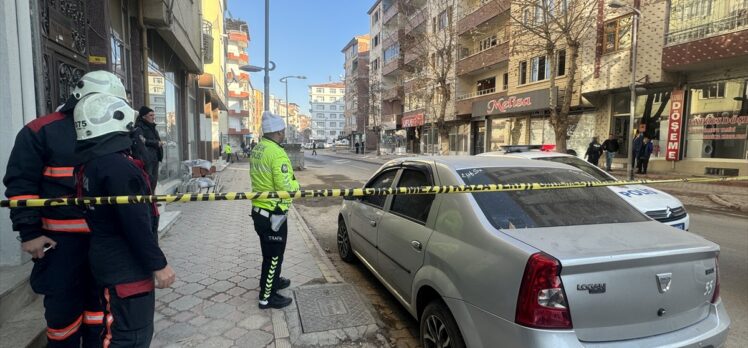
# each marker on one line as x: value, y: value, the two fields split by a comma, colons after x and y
x: 546, y: 208
x: 580, y: 164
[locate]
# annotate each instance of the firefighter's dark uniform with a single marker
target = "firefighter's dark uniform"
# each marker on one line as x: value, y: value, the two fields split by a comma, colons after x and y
x: 270, y: 170
x: 41, y: 165
x: 124, y: 253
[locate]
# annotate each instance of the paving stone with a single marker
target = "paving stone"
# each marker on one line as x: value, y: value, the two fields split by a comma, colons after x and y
x: 216, y: 327
x: 254, y: 322
x: 185, y: 303
x: 183, y: 317
x: 168, y: 297
x: 215, y: 342
x: 176, y: 332
x: 199, y: 320
x: 218, y: 310
x: 221, y: 286
x: 189, y: 288
x: 222, y: 297
x: 205, y: 294
x: 236, y: 291
x: 254, y: 338
x: 235, y: 333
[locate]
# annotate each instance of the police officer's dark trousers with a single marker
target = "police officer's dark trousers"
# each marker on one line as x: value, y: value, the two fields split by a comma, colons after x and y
x: 129, y: 315
x: 273, y: 245
x: 73, y: 309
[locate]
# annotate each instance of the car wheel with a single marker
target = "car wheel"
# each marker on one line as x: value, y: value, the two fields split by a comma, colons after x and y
x: 344, y: 243
x: 438, y: 327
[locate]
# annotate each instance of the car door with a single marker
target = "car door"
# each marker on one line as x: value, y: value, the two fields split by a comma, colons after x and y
x: 404, y: 230
x: 365, y: 215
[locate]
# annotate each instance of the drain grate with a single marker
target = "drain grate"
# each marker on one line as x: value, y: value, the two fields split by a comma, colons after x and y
x: 329, y: 307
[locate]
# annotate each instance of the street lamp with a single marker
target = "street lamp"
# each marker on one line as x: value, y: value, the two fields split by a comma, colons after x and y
x: 632, y: 105
x: 268, y: 63
x: 284, y: 80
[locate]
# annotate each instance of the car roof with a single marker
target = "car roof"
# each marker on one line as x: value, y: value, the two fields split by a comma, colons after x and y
x: 467, y: 162
x: 525, y: 154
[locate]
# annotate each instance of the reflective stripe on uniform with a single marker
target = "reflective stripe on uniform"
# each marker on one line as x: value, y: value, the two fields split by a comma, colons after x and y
x: 93, y: 318
x: 71, y: 225
x: 109, y: 320
x: 24, y: 197
x: 59, y: 172
x: 62, y: 334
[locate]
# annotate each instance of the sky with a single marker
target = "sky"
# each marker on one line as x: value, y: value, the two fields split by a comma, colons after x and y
x: 306, y: 37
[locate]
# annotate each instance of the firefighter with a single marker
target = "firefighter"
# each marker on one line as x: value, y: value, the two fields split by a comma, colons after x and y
x: 270, y: 170
x: 41, y: 165
x: 125, y: 256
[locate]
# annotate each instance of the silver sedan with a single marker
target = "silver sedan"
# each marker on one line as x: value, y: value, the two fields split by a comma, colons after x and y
x: 550, y: 268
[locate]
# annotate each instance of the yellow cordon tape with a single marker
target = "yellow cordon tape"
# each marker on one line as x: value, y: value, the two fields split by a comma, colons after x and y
x: 357, y: 192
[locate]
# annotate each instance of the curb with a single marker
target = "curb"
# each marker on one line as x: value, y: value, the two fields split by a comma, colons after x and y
x: 358, y: 159
x: 721, y: 201
x: 323, y: 262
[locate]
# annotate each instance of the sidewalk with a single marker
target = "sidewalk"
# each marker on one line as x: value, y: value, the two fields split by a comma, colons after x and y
x: 733, y: 194
x: 216, y: 255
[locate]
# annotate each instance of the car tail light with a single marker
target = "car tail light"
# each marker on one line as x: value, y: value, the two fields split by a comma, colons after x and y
x: 548, y: 147
x: 542, y: 299
x: 715, y: 296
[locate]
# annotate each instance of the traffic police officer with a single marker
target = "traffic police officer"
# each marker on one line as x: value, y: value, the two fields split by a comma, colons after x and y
x: 271, y: 170
x: 41, y: 165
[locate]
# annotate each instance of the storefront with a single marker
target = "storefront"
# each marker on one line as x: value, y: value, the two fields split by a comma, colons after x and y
x: 712, y: 137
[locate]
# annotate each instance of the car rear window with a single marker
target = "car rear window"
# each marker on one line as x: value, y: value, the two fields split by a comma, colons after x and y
x: 580, y: 164
x: 546, y: 208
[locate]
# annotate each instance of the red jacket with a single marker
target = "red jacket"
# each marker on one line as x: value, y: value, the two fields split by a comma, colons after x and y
x: 41, y: 165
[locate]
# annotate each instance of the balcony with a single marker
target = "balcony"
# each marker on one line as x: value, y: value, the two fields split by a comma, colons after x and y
x: 415, y: 20
x: 390, y: 12
x: 480, y: 14
x: 242, y: 57
x: 471, y: 62
x: 392, y: 67
x: 414, y: 84
x: 392, y: 93
x: 234, y: 131
x: 238, y: 36
x: 465, y: 102
x: 738, y: 20
x: 724, y: 49
x: 240, y: 113
x: 233, y: 94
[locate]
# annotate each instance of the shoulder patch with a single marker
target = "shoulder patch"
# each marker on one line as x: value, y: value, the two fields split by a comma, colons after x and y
x: 40, y: 122
x: 284, y: 168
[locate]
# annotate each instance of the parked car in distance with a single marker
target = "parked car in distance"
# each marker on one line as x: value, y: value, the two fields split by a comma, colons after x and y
x: 540, y: 268
x: 654, y: 203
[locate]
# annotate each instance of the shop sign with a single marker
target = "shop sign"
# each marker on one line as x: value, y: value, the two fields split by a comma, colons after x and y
x: 413, y: 120
x: 523, y: 102
x: 675, y: 123
x: 389, y: 122
x: 725, y: 125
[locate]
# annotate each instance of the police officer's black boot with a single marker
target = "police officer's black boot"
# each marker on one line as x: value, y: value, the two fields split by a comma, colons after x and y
x: 276, y: 301
x: 282, y: 283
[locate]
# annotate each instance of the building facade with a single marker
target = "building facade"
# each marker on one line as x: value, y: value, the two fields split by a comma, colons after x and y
x: 356, y: 54
x: 327, y: 101
x: 238, y: 122
x: 212, y: 82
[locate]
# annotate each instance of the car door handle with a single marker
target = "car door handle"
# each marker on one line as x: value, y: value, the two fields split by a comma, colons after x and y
x: 373, y: 223
x: 416, y: 245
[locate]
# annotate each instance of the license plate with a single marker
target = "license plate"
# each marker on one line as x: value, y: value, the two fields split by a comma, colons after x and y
x: 680, y: 226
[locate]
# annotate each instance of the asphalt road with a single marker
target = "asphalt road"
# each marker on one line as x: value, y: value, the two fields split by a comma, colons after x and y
x: 729, y: 230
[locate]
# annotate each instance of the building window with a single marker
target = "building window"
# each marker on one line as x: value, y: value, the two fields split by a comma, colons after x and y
x: 561, y: 63
x: 333, y: 133
x: 486, y: 86
x: 341, y: 124
x: 617, y: 34
x: 522, y: 72
x: 320, y: 90
x: 320, y: 107
x: 487, y: 43
x: 332, y: 107
x: 391, y: 53
x: 376, y: 40
x: 375, y: 17
x: 713, y: 91
x: 320, y: 115
x: 539, y: 69
x: 375, y: 64
x: 505, y: 84
x: 444, y: 19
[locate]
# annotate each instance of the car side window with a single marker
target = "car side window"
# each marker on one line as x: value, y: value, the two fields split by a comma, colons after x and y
x: 384, y: 180
x: 416, y: 207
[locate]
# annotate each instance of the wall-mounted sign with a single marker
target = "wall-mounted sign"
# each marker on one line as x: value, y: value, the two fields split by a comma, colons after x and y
x: 674, y: 125
x: 414, y: 120
x: 523, y: 102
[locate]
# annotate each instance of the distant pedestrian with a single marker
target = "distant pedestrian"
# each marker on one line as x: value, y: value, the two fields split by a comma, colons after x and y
x: 594, y: 150
x: 357, y: 146
x: 227, y: 151
x: 610, y: 146
x: 124, y: 253
x: 636, y: 148
x: 243, y: 146
x: 146, y: 124
x: 314, y: 149
x: 271, y: 170
x: 252, y: 145
x: 644, y: 153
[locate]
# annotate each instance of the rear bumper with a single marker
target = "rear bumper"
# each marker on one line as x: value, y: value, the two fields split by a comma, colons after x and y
x: 710, y: 332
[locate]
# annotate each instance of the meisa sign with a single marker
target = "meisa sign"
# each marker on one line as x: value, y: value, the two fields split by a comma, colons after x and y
x: 674, y: 125
x: 523, y: 102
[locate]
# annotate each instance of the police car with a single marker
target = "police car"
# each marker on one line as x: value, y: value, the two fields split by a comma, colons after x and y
x: 654, y: 203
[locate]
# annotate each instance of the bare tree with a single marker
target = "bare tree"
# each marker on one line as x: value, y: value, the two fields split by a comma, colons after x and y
x: 551, y: 27
x: 435, y: 47
x: 375, y: 109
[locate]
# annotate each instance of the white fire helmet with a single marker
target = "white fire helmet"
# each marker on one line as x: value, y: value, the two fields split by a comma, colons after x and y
x: 100, y: 114
x: 99, y: 81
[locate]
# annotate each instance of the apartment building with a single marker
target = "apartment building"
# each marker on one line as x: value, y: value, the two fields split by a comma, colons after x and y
x: 212, y: 83
x: 236, y: 128
x: 327, y: 102
x: 356, y: 54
